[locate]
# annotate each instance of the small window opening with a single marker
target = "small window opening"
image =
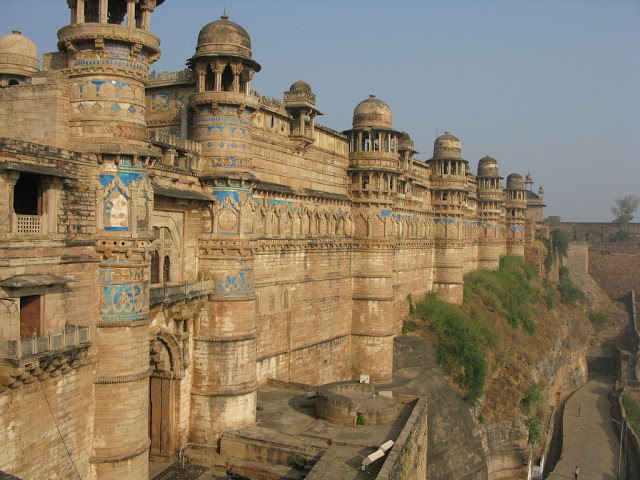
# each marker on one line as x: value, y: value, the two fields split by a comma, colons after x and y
x: 210, y: 80
x: 29, y: 316
x: 116, y: 12
x: 27, y: 195
x: 155, y: 267
x: 166, y: 268
x: 227, y: 79
x: 13, y: 82
x: 91, y: 11
x: 272, y: 122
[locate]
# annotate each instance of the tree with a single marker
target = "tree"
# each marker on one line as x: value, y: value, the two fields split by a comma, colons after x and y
x: 624, y: 209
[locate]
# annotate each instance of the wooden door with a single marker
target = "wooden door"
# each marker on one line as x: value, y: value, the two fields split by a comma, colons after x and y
x: 29, y: 316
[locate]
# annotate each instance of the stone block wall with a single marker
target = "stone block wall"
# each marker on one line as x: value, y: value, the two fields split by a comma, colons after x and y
x: 615, y: 267
x: 46, y: 427
x: 407, y: 460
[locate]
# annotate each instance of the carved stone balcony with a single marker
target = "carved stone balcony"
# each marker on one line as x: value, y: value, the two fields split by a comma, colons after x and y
x: 37, y: 358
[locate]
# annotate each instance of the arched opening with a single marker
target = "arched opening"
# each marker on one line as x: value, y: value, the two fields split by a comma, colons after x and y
x: 155, y: 267
x: 227, y: 79
x: 117, y: 11
x: 13, y: 82
x: 91, y: 11
x: 166, y: 269
x: 210, y: 80
x: 365, y: 180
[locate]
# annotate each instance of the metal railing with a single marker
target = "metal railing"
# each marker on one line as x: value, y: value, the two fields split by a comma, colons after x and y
x: 72, y: 336
x: 159, y: 293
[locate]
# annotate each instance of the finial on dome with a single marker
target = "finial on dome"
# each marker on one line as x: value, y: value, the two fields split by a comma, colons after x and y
x: 17, y: 32
x: 224, y: 16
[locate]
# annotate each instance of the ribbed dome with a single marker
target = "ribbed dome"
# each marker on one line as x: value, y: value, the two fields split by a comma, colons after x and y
x: 18, y: 55
x: 300, y: 86
x: 447, y: 146
x: 515, y: 182
x: 372, y: 112
x: 223, y: 37
x: 487, y: 167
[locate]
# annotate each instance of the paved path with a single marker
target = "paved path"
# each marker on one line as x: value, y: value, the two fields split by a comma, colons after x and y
x: 588, y: 438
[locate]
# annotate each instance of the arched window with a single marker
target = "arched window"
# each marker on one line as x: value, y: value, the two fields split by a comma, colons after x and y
x: 155, y: 267
x: 166, y: 268
x: 13, y: 82
x: 210, y: 80
x: 227, y: 79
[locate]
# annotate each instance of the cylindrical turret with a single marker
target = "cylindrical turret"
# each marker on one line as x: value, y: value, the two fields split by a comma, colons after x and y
x: 108, y: 49
x: 225, y: 354
x: 490, y: 212
x: 515, y: 213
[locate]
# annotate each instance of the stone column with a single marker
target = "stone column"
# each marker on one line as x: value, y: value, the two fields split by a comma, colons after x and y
x: 131, y: 13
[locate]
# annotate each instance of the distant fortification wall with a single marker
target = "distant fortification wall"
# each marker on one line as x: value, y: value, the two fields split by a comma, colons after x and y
x: 613, y: 265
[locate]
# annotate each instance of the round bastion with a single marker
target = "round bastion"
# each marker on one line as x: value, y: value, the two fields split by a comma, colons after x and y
x: 343, y: 403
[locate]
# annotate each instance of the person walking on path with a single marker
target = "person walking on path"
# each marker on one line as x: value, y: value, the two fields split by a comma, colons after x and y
x: 576, y: 472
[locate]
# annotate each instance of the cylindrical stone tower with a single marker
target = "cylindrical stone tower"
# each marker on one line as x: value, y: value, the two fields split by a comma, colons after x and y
x: 108, y: 49
x: 225, y: 383
x: 490, y: 212
x: 515, y: 205
x: 449, y: 198
x: 374, y: 168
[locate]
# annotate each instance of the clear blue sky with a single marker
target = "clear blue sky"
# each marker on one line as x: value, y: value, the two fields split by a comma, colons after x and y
x: 549, y: 87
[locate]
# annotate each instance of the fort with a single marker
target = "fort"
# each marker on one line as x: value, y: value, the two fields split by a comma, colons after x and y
x: 170, y: 243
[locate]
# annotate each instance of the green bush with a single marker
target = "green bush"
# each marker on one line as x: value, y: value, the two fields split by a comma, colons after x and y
x: 560, y: 242
x: 569, y: 293
x: 597, y: 318
x: 549, y: 295
x: 551, y: 257
x: 632, y: 411
x: 361, y: 421
x: 512, y: 291
x: 533, y: 401
x: 534, y: 424
x: 299, y: 463
x: 461, y: 343
x: 408, y: 326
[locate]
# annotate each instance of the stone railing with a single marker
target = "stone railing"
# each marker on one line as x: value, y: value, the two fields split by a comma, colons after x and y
x: 172, y: 292
x: 168, y: 140
x: 72, y: 336
x: 27, y: 224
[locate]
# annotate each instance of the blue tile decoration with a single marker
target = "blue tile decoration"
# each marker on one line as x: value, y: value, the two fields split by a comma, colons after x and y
x: 238, y: 283
x: 123, y: 301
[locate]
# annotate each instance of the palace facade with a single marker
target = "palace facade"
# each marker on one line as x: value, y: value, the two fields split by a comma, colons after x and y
x: 170, y: 242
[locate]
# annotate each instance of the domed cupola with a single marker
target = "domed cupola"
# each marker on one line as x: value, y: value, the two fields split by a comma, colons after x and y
x: 447, y: 146
x: 300, y: 102
x: 225, y: 38
x: 372, y: 112
x: 515, y: 182
x: 18, y: 59
x: 374, y: 159
x: 487, y: 167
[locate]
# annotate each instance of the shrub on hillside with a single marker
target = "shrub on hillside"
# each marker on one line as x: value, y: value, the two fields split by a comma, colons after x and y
x: 511, y: 291
x: 569, y: 293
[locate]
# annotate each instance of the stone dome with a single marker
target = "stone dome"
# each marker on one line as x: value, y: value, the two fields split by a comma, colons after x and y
x: 224, y: 37
x: 372, y: 112
x: 487, y: 167
x: 515, y: 182
x: 18, y: 55
x: 405, y: 142
x: 300, y: 86
x: 528, y: 178
x: 447, y: 146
